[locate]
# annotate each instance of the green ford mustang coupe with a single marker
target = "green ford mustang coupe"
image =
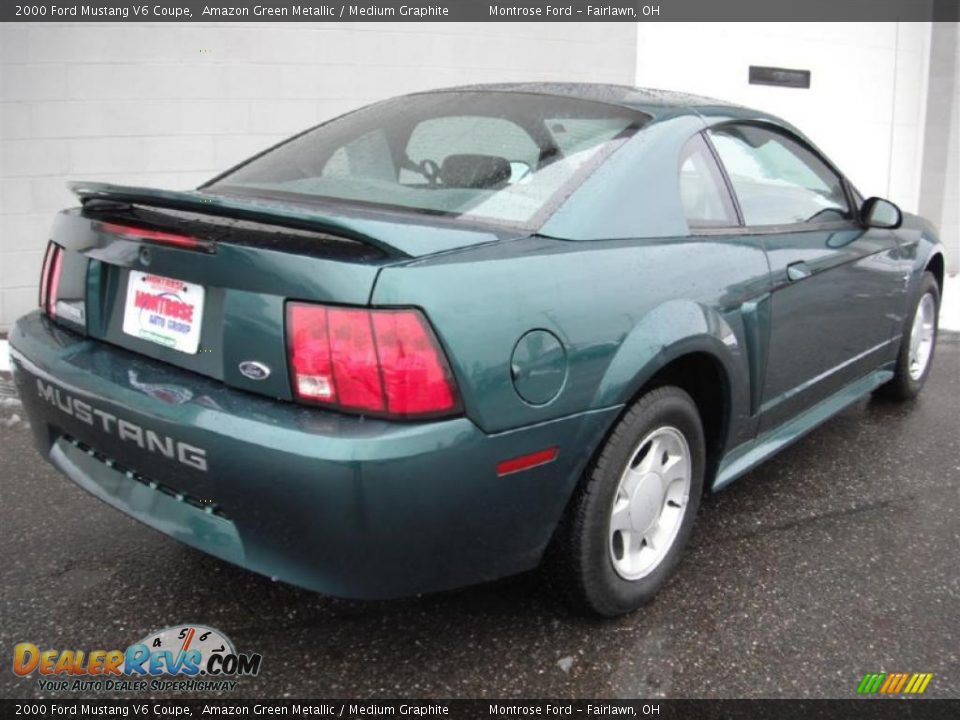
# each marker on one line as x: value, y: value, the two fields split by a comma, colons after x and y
x: 452, y: 336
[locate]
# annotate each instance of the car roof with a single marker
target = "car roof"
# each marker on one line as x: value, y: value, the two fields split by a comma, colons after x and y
x: 656, y: 103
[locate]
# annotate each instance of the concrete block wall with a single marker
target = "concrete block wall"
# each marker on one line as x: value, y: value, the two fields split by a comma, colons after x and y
x: 171, y: 105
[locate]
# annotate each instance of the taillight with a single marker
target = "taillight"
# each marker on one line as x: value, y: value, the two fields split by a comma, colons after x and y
x: 379, y: 362
x: 162, y: 237
x: 50, y: 278
x: 45, y: 275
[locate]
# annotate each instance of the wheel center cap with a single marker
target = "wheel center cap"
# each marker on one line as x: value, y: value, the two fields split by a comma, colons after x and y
x: 646, y: 501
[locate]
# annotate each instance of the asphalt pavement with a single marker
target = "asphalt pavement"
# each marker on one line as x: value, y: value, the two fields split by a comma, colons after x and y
x: 835, y: 559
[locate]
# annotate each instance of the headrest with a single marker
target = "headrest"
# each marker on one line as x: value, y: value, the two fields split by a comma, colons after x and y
x: 474, y: 171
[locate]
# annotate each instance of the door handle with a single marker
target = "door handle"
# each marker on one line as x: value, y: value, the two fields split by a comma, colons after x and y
x: 798, y: 271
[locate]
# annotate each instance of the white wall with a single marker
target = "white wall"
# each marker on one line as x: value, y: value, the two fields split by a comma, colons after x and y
x: 940, y: 181
x: 950, y: 203
x: 171, y: 105
x: 865, y: 105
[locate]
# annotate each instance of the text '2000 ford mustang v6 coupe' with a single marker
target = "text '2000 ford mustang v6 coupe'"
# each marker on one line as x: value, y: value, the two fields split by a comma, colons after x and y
x: 450, y: 336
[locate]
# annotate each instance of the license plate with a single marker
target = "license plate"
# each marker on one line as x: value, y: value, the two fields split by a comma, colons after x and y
x: 164, y: 311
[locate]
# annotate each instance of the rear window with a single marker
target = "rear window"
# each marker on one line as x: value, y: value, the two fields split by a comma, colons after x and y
x: 501, y: 157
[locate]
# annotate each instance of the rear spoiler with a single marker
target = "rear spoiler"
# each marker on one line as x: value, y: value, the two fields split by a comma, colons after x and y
x: 255, y: 210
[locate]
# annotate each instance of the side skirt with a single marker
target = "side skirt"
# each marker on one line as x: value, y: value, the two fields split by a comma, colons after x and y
x: 752, y: 453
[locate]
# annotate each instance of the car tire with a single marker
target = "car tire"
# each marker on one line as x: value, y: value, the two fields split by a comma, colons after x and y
x: 912, y: 368
x: 593, y: 570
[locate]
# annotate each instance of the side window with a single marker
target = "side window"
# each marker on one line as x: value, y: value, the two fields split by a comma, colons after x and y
x: 777, y: 180
x: 706, y: 202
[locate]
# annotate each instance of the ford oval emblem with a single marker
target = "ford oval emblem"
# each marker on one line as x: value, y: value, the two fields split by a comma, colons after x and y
x: 254, y: 370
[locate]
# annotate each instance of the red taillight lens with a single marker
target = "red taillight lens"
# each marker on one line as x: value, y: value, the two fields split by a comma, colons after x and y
x: 416, y: 378
x: 45, y: 275
x: 50, y: 278
x: 356, y: 368
x: 158, y: 236
x: 310, y: 353
x: 382, y: 362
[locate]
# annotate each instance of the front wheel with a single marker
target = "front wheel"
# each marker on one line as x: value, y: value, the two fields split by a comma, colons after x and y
x: 917, y: 344
x: 633, y: 513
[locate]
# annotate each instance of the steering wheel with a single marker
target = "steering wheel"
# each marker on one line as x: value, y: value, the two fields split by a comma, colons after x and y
x: 430, y: 170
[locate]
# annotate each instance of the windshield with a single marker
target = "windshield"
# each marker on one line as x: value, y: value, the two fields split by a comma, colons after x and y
x: 499, y: 156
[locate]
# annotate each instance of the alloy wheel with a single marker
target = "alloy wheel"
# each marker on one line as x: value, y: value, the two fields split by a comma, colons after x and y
x: 650, y: 503
x: 922, y: 335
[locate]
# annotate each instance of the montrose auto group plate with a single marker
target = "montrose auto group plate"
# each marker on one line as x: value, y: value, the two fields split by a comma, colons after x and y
x: 164, y: 311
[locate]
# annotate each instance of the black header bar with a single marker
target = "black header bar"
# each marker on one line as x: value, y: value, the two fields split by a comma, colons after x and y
x: 479, y: 11
x: 560, y: 709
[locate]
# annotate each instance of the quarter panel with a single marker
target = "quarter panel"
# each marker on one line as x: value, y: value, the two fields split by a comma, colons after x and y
x: 617, y: 307
x: 675, y: 329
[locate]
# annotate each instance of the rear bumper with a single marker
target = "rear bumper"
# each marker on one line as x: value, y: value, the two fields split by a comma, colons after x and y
x: 348, y: 506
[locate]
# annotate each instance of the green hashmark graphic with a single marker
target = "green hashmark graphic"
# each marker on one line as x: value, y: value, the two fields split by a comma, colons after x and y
x: 871, y: 683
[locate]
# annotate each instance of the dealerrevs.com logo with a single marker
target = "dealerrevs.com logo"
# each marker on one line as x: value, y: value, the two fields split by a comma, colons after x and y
x: 186, y: 658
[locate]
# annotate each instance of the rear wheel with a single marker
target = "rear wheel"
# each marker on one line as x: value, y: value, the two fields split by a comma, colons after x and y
x: 917, y: 344
x: 634, y: 511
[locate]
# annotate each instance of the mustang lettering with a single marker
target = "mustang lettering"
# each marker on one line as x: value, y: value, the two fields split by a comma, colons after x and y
x: 125, y: 430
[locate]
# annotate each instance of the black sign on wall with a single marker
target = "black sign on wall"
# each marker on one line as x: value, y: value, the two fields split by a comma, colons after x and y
x: 781, y: 77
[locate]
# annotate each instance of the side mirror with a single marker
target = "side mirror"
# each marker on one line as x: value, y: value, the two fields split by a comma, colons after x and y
x: 879, y: 213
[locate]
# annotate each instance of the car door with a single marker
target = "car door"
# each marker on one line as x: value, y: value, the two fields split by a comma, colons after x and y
x: 836, y: 286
